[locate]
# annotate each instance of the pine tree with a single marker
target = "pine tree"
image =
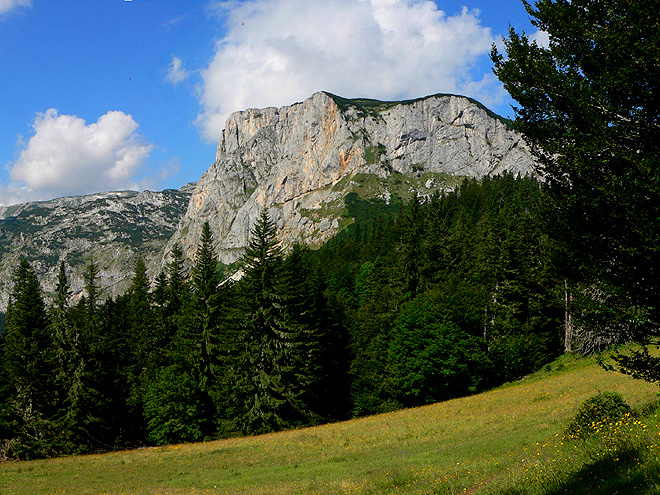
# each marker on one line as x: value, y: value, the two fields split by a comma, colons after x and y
x: 178, y: 288
x: 143, y: 331
x: 414, y: 226
x: 323, y: 352
x: 206, y: 307
x: 71, y: 365
x: 268, y: 389
x: 198, y: 347
x: 29, y: 362
x: 95, y: 405
x: 142, y: 338
x: 92, y: 288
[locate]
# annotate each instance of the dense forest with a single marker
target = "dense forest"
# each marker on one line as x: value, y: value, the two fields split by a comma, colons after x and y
x: 445, y: 296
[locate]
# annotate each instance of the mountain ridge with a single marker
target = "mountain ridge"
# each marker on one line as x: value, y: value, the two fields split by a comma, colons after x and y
x: 299, y: 161
x: 114, y: 227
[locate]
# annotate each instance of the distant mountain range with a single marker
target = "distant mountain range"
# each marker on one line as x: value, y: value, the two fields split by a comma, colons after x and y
x: 114, y: 228
x: 300, y: 162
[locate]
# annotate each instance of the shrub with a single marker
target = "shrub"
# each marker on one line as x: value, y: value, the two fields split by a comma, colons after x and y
x: 605, y: 406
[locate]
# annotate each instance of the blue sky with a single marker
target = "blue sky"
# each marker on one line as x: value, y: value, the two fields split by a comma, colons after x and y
x: 103, y: 95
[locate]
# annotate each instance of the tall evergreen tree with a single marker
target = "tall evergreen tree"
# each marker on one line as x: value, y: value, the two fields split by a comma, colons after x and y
x: 29, y: 362
x: 177, y: 397
x: 267, y: 395
x: 413, y: 234
x: 206, y: 280
x: 197, y: 346
x: 323, y: 351
x: 588, y: 105
x: 143, y: 332
x: 94, y: 404
x: 71, y: 365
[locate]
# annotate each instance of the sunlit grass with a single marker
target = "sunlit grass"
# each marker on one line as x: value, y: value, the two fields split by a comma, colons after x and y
x: 509, y: 440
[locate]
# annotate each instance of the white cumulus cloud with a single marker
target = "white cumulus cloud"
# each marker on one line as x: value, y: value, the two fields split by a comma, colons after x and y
x: 7, y: 6
x: 276, y: 52
x: 66, y: 156
x: 541, y: 38
x: 176, y: 72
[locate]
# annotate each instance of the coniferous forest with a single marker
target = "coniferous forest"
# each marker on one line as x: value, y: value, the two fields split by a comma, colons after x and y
x: 445, y: 296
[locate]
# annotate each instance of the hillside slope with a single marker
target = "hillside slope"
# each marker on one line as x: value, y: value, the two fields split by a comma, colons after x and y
x: 502, y: 441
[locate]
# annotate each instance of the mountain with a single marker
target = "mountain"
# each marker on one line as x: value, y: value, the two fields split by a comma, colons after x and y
x: 114, y: 228
x: 301, y: 161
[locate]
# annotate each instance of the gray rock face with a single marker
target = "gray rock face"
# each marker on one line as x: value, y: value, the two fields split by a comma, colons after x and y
x: 300, y: 161
x: 115, y: 228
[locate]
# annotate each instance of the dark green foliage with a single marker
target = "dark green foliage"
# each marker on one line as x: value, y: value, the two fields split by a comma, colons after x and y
x: 606, y: 406
x: 443, y: 297
x: 481, y: 255
x: 199, y: 341
x: 377, y: 303
x: 267, y: 395
x: 199, y: 344
x: 173, y: 407
x: 206, y: 304
x: 638, y: 363
x: 29, y: 366
x: 322, y: 341
x: 588, y: 105
x: 71, y: 366
x: 366, y: 211
x: 436, y: 351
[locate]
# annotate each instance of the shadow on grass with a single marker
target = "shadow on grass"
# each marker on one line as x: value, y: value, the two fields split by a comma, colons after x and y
x: 621, y: 473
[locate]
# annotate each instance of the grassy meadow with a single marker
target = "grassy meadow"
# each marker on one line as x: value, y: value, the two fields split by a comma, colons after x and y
x: 506, y: 441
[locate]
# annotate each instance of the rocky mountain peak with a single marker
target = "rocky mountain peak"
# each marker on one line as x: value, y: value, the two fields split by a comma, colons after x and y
x: 300, y: 162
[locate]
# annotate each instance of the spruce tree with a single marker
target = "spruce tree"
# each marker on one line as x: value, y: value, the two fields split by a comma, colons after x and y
x: 206, y: 307
x: 178, y: 290
x: 323, y: 344
x: 197, y: 344
x: 143, y: 331
x: 71, y: 365
x: 29, y: 362
x: 414, y: 225
x: 267, y: 395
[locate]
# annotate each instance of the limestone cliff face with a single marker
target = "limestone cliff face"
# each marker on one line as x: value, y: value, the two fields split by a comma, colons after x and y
x: 300, y: 161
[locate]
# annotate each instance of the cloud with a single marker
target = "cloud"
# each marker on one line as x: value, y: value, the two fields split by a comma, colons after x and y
x: 276, y: 52
x: 7, y: 6
x: 175, y: 72
x: 176, y: 20
x: 541, y: 38
x: 68, y: 157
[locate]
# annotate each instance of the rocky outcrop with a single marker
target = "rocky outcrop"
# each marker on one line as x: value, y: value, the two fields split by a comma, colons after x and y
x: 114, y: 228
x: 300, y: 161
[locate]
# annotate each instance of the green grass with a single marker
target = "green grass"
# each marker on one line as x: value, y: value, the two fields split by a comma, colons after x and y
x: 506, y: 441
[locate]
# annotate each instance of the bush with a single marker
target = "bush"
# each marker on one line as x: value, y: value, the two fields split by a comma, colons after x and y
x: 605, y: 406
